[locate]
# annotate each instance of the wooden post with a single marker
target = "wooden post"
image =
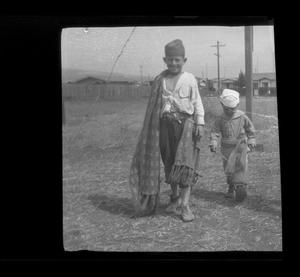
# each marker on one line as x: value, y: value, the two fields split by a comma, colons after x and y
x: 63, y: 111
x: 248, y: 69
x: 218, y: 62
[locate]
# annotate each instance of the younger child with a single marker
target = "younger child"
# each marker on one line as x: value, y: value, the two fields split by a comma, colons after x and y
x: 238, y: 137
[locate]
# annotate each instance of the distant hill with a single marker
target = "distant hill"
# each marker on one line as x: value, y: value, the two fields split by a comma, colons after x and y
x: 72, y: 75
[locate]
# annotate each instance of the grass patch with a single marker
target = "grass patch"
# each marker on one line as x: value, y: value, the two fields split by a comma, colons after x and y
x: 98, y: 143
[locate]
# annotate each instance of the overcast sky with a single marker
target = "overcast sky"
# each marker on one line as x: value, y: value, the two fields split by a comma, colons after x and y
x: 97, y: 49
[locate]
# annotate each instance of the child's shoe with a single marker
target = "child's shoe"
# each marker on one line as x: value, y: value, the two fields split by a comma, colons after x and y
x: 240, y: 192
x: 187, y: 215
x: 230, y: 192
x: 174, y: 206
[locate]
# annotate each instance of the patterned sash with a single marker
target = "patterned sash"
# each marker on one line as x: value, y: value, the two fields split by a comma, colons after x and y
x: 144, y: 174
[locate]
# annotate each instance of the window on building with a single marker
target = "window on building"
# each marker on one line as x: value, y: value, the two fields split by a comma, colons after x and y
x: 255, y: 85
x: 265, y: 84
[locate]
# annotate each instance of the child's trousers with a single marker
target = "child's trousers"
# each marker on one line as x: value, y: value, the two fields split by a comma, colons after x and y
x: 237, y: 172
x: 170, y: 134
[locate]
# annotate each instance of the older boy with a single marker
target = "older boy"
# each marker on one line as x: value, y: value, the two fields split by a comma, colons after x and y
x: 175, y: 114
x: 237, y: 133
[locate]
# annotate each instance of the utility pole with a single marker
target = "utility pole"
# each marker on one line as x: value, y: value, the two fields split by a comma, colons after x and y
x: 141, y: 72
x: 256, y: 65
x: 218, y: 45
x: 274, y: 63
x: 248, y: 69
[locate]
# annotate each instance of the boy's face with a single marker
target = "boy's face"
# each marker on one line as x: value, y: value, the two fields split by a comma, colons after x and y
x: 229, y: 111
x: 174, y: 63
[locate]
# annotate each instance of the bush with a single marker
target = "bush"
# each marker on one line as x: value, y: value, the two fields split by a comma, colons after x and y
x: 269, y: 91
x: 242, y: 91
x: 207, y: 92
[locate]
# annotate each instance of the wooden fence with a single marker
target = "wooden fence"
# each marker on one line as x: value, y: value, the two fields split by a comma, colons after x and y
x: 103, y: 91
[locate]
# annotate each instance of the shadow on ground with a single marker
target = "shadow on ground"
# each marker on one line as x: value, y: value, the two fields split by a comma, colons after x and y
x: 112, y: 204
x: 253, y: 202
x: 119, y: 206
x: 123, y: 206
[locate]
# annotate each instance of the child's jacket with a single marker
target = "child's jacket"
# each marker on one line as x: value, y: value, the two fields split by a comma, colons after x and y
x: 232, y: 129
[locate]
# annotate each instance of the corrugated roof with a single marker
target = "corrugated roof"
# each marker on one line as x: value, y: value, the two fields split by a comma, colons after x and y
x: 259, y: 76
x: 88, y: 78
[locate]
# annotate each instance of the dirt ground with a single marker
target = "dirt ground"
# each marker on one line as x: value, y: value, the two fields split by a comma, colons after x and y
x: 98, y: 144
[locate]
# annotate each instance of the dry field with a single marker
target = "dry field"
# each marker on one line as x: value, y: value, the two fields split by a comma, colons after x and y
x: 98, y: 144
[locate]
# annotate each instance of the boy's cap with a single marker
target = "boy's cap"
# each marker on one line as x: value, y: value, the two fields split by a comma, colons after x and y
x: 230, y: 98
x: 175, y: 48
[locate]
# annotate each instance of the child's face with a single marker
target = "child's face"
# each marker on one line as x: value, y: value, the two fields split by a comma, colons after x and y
x: 175, y: 63
x: 229, y: 111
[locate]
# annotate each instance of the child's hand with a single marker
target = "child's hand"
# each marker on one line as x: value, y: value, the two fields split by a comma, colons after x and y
x: 167, y: 107
x: 252, y: 146
x: 213, y: 147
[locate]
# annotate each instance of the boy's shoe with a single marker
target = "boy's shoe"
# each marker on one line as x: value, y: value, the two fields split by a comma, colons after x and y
x: 174, y: 206
x: 230, y: 192
x: 187, y: 215
x: 240, y: 192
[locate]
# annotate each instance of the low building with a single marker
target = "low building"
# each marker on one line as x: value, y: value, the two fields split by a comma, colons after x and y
x: 202, y: 82
x: 264, y: 82
x: 122, y: 82
x: 229, y: 83
x: 89, y: 81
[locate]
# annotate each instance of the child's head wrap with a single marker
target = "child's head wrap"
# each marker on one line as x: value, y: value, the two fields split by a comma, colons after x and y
x: 175, y: 48
x: 229, y: 98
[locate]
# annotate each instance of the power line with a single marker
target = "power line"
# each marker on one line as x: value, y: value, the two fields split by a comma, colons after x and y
x: 117, y: 58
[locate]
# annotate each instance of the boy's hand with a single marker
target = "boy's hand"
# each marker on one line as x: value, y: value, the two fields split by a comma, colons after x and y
x: 199, y: 130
